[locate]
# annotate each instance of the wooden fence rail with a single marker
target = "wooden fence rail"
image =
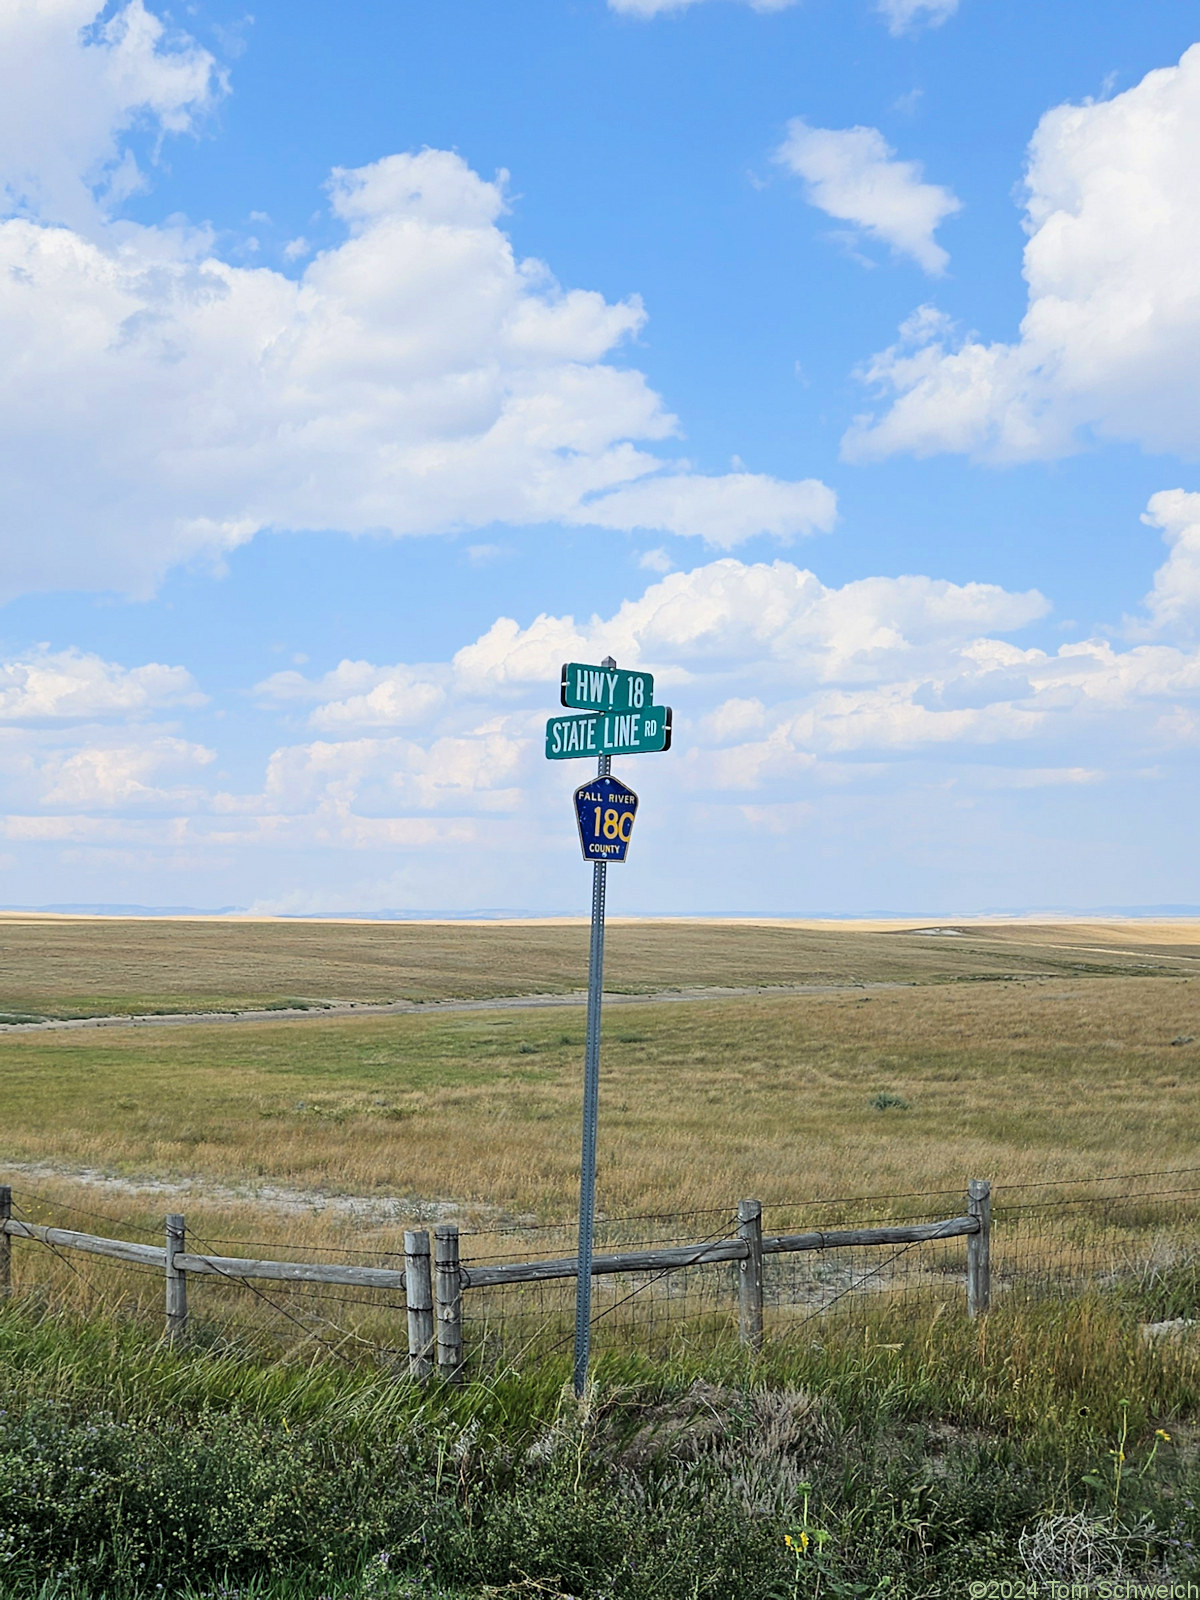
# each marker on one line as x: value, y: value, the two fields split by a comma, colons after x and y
x: 433, y: 1286
x: 690, y: 1255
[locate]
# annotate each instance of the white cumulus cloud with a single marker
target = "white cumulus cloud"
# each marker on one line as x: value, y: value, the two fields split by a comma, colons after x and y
x: 357, y: 694
x: 70, y: 685
x: 1174, y: 601
x: 1110, y: 342
x: 102, y: 777
x: 71, y: 84
x: 853, y: 174
x: 728, y: 619
x: 159, y: 404
x: 723, y: 511
x: 787, y: 692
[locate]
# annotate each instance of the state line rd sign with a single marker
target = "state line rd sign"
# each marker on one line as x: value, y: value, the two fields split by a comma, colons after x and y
x: 603, y: 733
x: 605, y: 809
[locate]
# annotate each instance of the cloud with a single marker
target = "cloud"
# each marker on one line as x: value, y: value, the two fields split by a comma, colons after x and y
x: 1174, y: 601
x: 656, y: 560
x: 776, y: 621
x: 461, y: 741
x: 853, y: 174
x: 71, y: 86
x: 71, y: 685
x: 358, y: 694
x: 722, y: 511
x: 160, y: 405
x: 109, y: 776
x: 659, y: 8
x: 471, y: 771
x: 1110, y: 343
x: 418, y: 378
x: 905, y: 16
x: 902, y: 16
x: 788, y: 692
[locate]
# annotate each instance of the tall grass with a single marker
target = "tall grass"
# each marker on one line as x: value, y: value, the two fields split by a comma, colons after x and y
x: 915, y: 1454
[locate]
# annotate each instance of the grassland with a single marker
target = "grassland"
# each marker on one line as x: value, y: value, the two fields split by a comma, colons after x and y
x: 702, y: 1102
x: 335, y: 1131
x: 936, y: 1452
x: 79, y: 967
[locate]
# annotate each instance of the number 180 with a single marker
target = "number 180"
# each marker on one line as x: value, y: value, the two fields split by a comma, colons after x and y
x: 615, y: 824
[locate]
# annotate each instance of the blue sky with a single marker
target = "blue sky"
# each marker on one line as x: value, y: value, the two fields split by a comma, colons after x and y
x: 835, y: 361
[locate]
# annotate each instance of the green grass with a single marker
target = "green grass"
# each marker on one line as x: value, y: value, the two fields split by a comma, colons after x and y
x: 914, y: 1456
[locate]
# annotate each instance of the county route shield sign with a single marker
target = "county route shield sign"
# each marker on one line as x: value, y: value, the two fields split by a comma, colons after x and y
x: 605, y: 809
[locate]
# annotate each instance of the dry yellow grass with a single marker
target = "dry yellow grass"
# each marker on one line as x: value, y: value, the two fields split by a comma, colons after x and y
x: 702, y: 1102
x: 1027, y: 1080
x: 66, y: 966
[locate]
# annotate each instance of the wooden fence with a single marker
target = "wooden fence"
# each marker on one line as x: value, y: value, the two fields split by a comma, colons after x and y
x: 434, y: 1285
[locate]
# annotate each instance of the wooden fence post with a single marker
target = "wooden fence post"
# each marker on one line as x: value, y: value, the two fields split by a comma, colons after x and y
x: 176, y: 1279
x: 449, y: 1301
x: 750, y: 1275
x: 418, y: 1292
x: 5, y: 1242
x: 979, y: 1264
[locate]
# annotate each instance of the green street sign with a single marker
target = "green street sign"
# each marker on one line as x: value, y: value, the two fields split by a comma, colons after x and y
x: 590, y: 688
x: 629, y: 733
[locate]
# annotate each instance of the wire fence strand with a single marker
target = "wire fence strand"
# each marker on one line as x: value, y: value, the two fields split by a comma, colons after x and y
x: 1054, y: 1238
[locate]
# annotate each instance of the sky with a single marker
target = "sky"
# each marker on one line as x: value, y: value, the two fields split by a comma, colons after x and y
x: 836, y: 361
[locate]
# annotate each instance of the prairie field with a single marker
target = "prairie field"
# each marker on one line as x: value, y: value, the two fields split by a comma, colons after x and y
x: 1022, y: 1054
x: 906, y: 1452
x: 82, y: 967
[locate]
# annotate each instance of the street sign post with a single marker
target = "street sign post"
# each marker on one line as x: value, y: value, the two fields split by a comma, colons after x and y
x: 620, y: 719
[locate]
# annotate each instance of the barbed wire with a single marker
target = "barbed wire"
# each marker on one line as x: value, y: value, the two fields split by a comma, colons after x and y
x: 102, y: 1216
x: 1115, y: 1177
x: 643, y: 1216
x: 853, y: 1287
x: 615, y: 1246
x: 28, y: 1220
x: 1093, y: 1200
x: 701, y: 1293
x: 311, y: 1249
x: 266, y: 1298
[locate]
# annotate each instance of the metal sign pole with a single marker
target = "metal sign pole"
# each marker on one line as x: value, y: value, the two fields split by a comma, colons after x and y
x: 621, y: 718
x: 591, y: 1102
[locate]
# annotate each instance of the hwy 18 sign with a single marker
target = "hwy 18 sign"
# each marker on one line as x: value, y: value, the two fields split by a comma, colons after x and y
x: 628, y: 733
x: 605, y: 809
x: 588, y: 688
